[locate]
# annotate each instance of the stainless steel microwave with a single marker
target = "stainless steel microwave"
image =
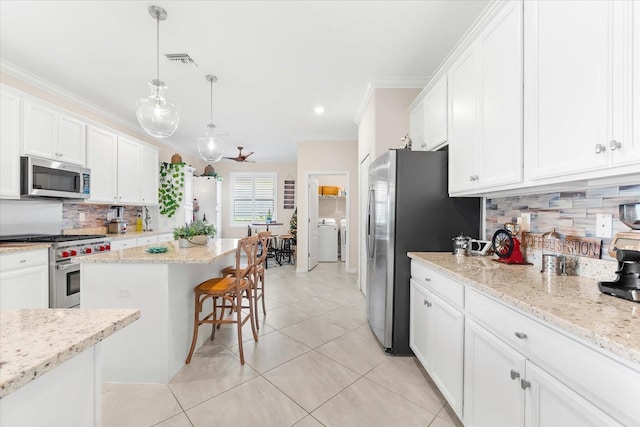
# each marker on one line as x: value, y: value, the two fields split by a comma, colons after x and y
x: 50, y: 178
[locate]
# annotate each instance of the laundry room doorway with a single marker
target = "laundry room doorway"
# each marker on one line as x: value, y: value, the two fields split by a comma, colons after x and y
x: 330, y: 240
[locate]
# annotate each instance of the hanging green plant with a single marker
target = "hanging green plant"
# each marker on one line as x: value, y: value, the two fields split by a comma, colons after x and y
x: 171, y: 186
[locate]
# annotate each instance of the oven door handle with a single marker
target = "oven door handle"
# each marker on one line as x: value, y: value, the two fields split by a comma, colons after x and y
x: 66, y: 266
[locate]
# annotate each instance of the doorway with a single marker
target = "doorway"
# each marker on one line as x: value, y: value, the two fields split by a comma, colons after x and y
x: 328, y: 218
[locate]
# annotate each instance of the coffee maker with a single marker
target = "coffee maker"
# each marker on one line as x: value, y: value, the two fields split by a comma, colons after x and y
x: 117, y: 224
x: 625, y: 246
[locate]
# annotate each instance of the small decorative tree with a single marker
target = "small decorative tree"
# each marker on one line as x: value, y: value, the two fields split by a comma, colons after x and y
x: 293, y: 224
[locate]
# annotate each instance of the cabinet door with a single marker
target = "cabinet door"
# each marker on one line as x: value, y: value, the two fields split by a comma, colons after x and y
x: 117, y: 245
x: 568, y: 57
x: 129, y: 171
x: 71, y: 140
x: 416, y: 127
x: 102, y: 150
x: 24, y: 279
x: 551, y: 403
x: 418, y: 321
x: 463, y: 115
x: 500, y: 50
x: 446, y: 350
x: 40, y: 130
x: 149, y: 176
x: 491, y: 397
x: 436, y: 115
x: 629, y: 134
x: 10, y: 145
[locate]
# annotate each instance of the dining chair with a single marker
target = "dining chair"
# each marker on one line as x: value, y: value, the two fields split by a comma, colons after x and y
x: 264, y: 246
x: 231, y: 290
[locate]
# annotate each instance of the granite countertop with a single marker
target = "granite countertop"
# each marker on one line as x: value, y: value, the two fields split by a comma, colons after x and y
x: 103, y: 230
x: 204, y: 254
x: 571, y: 303
x: 33, y: 342
x: 21, y: 247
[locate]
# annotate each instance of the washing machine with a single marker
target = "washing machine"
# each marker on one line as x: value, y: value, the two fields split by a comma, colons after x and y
x: 343, y: 239
x: 327, y: 240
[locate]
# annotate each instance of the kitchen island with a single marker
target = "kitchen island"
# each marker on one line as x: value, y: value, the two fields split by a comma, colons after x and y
x: 50, y: 364
x: 161, y: 286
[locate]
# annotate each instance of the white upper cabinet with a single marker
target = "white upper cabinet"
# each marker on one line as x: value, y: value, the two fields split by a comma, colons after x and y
x: 50, y: 134
x: 416, y: 127
x: 9, y: 145
x: 129, y: 171
x: 150, y: 176
x: 485, y: 107
x: 102, y: 157
x: 436, y: 114
x: 578, y: 87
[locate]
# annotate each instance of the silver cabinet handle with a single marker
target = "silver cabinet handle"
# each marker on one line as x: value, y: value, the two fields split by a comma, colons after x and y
x: 600, y: 148
x: 427, y: 279
x: 474, y: 178
x: 22, y: 261
x: 427, y: 303
x: 515, y: 374
x: 521, y: 335
x: 524, y: 384
x: 615, y: 145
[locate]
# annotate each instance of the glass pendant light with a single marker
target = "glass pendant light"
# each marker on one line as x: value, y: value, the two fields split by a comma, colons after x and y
x: 210, y: 146
x: 157, y: 116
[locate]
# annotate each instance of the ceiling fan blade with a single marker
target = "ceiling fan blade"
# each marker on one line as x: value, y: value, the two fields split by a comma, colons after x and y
x: 248, y: 154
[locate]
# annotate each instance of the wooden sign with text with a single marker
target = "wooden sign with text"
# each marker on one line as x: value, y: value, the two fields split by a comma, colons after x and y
x: 570, y: 245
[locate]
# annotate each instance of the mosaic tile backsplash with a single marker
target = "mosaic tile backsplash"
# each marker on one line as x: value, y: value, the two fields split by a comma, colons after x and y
x: 95, y: 216
x: 571, y: 213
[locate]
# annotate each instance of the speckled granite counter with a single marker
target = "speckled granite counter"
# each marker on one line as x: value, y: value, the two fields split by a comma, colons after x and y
x: 571, y: 303
x: 21, y: 247
x: 205, y: 254
x: 33, y: 342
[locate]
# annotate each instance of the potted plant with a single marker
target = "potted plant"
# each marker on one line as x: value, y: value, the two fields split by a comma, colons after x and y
x: 195, y: 233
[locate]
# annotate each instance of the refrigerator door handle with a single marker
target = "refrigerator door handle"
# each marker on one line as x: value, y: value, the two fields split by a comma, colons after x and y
x: 370, y: 223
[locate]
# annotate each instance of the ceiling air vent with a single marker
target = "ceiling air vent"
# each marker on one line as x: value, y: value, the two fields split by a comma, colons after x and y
x: 184, y: 58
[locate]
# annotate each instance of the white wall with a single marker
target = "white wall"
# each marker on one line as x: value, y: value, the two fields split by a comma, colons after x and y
x: 320, y: 158
x: 284, y: 171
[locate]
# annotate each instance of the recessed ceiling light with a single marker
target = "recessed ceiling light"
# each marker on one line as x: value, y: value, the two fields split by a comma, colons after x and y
x: 319, y: 110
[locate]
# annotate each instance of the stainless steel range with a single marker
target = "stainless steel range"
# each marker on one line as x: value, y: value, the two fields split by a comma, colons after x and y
x: 64, y: 275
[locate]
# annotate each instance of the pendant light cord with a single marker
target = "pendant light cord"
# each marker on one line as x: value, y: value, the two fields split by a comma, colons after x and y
x: 158, y: 48
x: 211, y: 104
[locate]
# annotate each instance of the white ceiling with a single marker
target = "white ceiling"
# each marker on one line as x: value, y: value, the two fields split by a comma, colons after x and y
x: 275, y: 60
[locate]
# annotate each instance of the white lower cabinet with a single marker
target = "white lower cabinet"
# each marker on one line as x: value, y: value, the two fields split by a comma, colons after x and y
x: 147, y: 240
x: 167, y: 237
x: 117, y: 245
x: 436, y: 334
x: 498, y: 366
x: 24, y: 279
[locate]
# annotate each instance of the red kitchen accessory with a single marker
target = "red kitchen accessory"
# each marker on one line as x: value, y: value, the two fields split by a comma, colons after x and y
x: 507, y: 246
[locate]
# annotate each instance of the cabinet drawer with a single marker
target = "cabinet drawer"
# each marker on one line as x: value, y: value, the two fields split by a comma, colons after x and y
x: 141, y: 241
x: 165, y: 237
x: 448, y: 289
x: 16, y: 260
x: 116, y: 245
x: 592, y: 373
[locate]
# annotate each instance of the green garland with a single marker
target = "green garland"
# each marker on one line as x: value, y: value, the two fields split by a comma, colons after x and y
x: 171, y: 187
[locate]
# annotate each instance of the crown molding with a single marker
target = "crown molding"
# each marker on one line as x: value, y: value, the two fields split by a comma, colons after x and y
x: 388, y: 83
x: 42, y: 84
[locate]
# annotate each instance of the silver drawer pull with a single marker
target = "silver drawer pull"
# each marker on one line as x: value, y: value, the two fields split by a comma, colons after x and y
x: 524, y: 384
x: 515, y: 374
x: 615, y: 145
x: 427, y: 279
x: 521, y: 335
x: 599, y: 148
x: 427, y: 303
x: 23, y: 261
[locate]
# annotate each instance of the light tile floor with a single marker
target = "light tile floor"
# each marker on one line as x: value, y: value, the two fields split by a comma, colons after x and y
x: 316, y: 363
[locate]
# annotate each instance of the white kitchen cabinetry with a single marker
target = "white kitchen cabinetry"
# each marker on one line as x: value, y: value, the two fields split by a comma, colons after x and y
x: 117, y: 245
x: 485, y: 106
x: 436, y: 333
x: 129, y: 171
x: 563, y: 382
x: 102, y: 159
x: 47, y: 133
x: 24, y: 279
x: 9, y: 145
x: 147, y: 240
x: 167, y: 237
x: 416, y: 127
x: 578, y: 88
x: 149, y: 177
x: 436, y: 114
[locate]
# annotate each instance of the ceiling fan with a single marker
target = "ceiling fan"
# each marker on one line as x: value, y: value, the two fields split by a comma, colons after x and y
x: 241, y: 157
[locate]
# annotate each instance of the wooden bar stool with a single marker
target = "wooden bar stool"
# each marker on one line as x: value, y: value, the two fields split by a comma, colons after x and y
x: 264, y: 245
x: 231, y: 290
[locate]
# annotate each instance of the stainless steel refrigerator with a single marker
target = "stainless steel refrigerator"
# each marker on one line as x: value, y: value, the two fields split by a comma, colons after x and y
x: 409, y: 210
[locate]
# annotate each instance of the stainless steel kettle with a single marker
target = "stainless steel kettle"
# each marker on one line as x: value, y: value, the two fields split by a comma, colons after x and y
x: 461, y: 245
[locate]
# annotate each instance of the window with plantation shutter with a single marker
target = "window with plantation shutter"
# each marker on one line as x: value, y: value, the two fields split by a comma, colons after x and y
x: 253, y: 197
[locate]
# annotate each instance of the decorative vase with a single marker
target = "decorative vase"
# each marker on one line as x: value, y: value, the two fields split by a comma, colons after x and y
x: 199, y: 240
x: 184, y: 243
